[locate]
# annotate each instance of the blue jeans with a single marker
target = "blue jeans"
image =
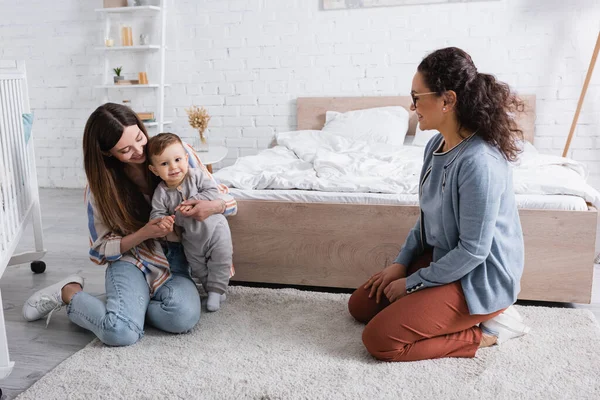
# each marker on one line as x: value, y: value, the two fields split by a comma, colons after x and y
x: 175, y: 307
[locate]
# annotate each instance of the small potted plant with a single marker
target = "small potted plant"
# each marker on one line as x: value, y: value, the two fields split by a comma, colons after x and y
x: 198, y: 118
x: 117, y: 76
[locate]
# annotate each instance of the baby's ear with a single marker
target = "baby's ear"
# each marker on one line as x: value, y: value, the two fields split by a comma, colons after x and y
x: 151, y: 167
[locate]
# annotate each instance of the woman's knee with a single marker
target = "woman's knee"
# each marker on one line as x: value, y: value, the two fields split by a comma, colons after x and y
x: 378, y: 343
x: 119, y: 332
x: 184, y: 319
x: 176, y: 313
x: 360, y: 307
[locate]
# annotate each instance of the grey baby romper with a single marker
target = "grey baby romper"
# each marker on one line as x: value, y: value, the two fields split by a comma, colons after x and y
x: 207, y: 244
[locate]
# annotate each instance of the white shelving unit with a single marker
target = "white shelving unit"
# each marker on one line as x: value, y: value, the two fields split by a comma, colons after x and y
x: 156, y: 82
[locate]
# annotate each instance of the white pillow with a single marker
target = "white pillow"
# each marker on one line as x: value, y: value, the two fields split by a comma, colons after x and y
x: 423, y: 137
x: 383, y: 124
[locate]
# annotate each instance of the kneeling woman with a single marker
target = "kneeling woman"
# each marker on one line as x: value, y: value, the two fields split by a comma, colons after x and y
x: 450, y: 288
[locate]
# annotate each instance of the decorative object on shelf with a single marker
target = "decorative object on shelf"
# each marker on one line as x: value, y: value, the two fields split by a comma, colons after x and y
x: 146, y: 116
x: 115, y: 3
x: 198, y: 118
x: 117, y: 76
x: 133, y: 3
x: 125, y: 82
x: 109, y: 42
x: 143, y: 78
x: 144, y: 39
x: 126, y: 36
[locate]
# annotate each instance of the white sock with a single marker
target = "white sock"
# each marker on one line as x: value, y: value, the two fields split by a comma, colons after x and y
x: 214, y: 301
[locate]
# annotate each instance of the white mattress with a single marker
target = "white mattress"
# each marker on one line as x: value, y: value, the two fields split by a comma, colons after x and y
x: 330, y: 167
x: 529, y: 201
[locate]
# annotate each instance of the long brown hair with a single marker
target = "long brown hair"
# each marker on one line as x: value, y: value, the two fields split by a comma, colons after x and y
x: 483, y: 104
x: 120, y: 202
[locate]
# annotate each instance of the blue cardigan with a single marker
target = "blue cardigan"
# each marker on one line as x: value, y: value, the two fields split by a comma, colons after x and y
x: 469, y: 217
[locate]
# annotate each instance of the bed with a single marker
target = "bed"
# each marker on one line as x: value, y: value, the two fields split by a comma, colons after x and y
x: 19, y: 197
x: 338, y: 240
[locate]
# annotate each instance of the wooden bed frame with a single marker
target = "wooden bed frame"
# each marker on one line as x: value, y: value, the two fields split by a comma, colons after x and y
x: 341, y: 245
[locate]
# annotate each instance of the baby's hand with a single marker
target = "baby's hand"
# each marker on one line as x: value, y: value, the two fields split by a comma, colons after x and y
x: 183, y: 208
x: 167, y: 223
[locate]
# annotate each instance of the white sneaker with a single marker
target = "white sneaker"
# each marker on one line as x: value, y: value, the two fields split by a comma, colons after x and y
x: 46, y: 301
x: 506, y: 326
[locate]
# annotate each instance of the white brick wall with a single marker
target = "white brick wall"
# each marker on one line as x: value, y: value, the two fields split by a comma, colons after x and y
x: 248, y: 60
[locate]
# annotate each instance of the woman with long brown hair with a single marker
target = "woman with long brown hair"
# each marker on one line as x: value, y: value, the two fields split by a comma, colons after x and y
x: 450, y: 289
x: 147, y: 280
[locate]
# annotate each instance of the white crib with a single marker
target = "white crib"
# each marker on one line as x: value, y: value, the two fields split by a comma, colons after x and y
x: 19, y: 197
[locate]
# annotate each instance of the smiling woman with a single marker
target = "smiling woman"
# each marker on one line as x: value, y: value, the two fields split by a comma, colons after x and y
x: 146, y: 280
x: 449, y: 92
x: 130, y: 148
x: 450, y: 288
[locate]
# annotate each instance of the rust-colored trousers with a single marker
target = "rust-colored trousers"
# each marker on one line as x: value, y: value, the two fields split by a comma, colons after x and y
x: 430, y: 323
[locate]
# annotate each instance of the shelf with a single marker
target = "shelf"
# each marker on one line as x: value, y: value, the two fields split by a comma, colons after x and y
x: 156, y: 123
x: 121, y: 10
x: 113, y: 86
x: 155, y: 50
x: 150, y: 47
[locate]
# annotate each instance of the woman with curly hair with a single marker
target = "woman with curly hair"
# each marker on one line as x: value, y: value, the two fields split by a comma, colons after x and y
x: 450, y: 289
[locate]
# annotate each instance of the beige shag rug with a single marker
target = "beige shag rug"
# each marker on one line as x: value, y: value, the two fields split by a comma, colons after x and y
x: 289, y: 344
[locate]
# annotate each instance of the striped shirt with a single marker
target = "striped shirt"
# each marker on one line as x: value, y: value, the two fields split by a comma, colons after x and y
x: 105, y: 246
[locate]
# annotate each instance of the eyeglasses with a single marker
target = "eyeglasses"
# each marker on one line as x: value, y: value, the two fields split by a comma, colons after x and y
x: 415, y: 98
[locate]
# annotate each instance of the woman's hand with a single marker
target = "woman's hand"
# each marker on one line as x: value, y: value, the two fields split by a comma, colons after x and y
x: 395, y: 290
x: 382, y: 279
x: 184, y: 209
x: 200, y: 209
x: 158, y: 227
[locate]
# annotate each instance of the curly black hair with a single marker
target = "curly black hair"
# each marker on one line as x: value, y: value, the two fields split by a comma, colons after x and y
x: 483, y: 104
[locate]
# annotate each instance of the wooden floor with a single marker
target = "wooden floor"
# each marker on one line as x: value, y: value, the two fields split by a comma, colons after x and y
x: 36, y: 349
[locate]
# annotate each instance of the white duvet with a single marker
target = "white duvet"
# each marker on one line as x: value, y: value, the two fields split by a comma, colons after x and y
x: 317, y: 160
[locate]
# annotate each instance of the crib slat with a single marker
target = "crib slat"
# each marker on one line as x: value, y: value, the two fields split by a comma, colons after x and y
x: 25, y: 154
x: 20, y: 159
x: 4, y: 223
x: 13, y: 199
x: 13, y: 149
x: 10, y: 219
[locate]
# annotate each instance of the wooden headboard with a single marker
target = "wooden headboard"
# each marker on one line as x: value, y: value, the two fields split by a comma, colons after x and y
x: 311, y: 110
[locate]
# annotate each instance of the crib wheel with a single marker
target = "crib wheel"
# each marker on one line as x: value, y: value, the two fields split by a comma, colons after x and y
x: 38, y: 267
